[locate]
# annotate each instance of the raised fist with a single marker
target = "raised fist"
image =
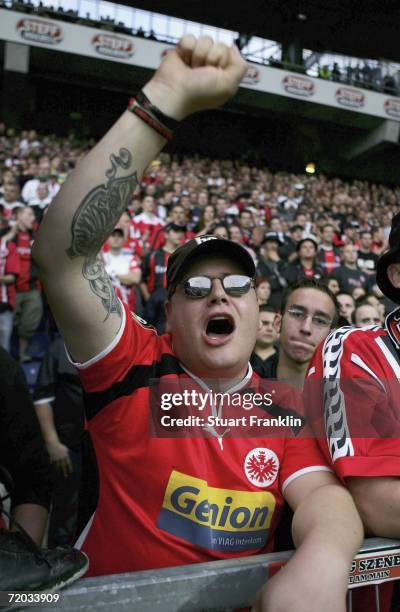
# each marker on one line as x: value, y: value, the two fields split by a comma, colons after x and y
x: 197, y: 74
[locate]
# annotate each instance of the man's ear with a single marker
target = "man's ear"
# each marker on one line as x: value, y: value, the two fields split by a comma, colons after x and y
x: 277, y: 323
x: 393, y: 273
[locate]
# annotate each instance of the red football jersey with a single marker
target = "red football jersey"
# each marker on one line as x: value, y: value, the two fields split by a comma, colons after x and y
x: 351, y: 396
x: 168, y: 501
x: 351, y: 393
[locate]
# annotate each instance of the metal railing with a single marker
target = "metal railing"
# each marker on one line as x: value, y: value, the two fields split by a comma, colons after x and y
x: 214, y: 586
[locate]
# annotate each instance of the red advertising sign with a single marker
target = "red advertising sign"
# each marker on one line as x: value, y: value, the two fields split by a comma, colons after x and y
x: 352, y: 98
x: 113, y: 46
x: 298, y: 85
x: 392, y: 107
x: 36, y: 30
x: 252, y: 76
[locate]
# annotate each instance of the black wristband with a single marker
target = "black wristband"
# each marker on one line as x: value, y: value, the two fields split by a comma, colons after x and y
x: 143, y: 100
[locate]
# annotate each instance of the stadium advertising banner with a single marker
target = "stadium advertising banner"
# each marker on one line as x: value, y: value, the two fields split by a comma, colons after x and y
x: 78, y: 39
x: 91, y: 42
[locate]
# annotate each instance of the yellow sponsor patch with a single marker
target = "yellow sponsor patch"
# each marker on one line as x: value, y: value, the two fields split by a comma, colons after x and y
x: 220, y: 509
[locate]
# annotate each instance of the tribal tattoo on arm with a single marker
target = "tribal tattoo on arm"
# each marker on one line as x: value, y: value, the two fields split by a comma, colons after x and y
x: 93, y: 223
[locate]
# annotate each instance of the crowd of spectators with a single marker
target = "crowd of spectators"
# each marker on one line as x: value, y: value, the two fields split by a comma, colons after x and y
x: 366, y: 74
x: 105, y: 22
x: 295, y: 226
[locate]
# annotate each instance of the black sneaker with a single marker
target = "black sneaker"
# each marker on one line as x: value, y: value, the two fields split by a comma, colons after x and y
x: 26, y: 567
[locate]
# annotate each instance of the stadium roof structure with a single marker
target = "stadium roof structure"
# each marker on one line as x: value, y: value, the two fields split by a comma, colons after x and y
x: 366, y: 28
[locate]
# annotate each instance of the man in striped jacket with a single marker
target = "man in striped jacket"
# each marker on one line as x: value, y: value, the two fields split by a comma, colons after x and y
x: 356, y: 371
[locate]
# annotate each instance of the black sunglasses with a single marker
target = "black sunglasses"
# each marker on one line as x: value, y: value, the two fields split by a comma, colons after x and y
x: 200, y: 286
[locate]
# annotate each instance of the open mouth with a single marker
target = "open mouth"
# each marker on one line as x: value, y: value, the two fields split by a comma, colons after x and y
x: 219, y: 326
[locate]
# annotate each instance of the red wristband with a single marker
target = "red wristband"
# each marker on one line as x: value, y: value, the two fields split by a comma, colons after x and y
x: 146, y: 116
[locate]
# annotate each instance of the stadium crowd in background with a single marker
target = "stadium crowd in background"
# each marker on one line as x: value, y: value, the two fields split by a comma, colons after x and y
x: 294, y: 226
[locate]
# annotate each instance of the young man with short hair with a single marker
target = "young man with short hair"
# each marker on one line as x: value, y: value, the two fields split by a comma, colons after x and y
x: 365, y: 314
x: 154, y: 280
x: 346, y: 305
x: 348, y: 274
x: 266, y: 338
x: 366, y: 259
x: 328, y: 255
x: 309, y: 312
x: 122, y: 268
x: 306, y: 266
x: 167, y: 501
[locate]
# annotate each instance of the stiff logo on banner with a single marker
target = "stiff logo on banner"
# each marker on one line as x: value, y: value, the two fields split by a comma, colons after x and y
x: 392, y: 108
x: 350, y: 97
x: 252, y: 76
x: 298, y: 85
x: 36, y: 30
x: 113, y: 46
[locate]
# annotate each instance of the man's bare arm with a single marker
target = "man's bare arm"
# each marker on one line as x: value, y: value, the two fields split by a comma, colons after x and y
x: 378, y: 502
x: 327, y: 531
x: 196, y: 75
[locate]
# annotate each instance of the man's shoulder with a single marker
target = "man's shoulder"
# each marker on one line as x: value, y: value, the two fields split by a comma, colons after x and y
x: 349, y: 351
x: 360, y: 335
x: 350, y: 341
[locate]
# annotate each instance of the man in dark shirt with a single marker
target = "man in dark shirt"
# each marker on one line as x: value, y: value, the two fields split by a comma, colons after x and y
x: 288, y: 251
x: 22, y: 451
x: 366, y: 259
x: 24, y: 470
x: 154, y: 281
x: 348, y: 274
x: 306, y: 266
x: 58, y: 400
x: 266, y: 338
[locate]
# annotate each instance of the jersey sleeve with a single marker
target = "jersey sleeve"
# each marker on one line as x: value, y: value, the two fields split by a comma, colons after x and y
x: 134, y: 345
x: 348, y: 398
x: 302, y: 456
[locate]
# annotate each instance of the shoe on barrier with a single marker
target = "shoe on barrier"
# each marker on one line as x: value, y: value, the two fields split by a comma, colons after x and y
x: 26, y: 567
